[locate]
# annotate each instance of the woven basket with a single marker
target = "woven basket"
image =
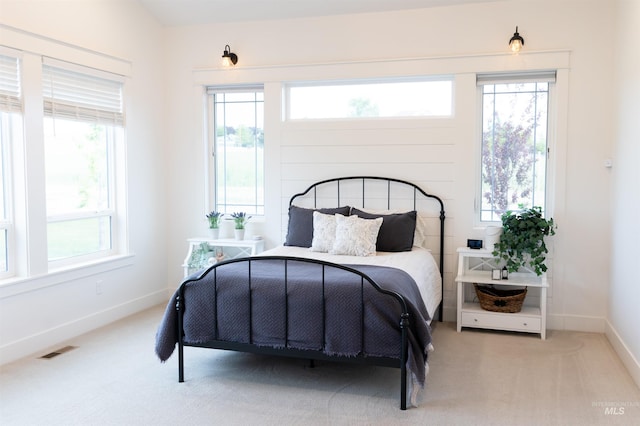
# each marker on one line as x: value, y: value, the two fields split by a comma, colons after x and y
x: 497, y: 300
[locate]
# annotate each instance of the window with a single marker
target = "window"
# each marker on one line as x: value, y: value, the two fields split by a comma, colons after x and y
x: 237, y: 146
x: 10, y: 130
x: 83, y: 122
x: 4, y: 200
x: 514, y: 143
x: 421, y: 98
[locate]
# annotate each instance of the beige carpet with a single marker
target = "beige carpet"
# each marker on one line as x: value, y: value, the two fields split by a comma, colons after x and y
x: 484, y: 378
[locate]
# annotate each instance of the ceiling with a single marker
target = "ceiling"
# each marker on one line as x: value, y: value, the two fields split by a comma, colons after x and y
x: 192, y: 12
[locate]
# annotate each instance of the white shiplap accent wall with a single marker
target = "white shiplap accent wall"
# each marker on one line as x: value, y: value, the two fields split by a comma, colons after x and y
x: 419, y: 150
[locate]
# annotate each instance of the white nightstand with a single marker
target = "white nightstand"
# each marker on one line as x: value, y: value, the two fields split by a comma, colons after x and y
x: 229, y: 247
x: 474, y: 266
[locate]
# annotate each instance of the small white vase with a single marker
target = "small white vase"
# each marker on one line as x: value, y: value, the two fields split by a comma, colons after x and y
x: 492, y: 236
x: 214, y: 233
x: 239, y: 234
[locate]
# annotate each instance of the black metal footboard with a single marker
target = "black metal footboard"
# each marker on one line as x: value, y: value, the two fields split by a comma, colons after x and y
x: 213, y: 276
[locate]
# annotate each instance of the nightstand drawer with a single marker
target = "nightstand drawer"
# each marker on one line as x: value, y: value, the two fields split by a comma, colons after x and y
x: 501, y: 321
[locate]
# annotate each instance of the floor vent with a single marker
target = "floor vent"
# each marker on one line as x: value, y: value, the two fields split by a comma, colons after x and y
x: 57, y: 352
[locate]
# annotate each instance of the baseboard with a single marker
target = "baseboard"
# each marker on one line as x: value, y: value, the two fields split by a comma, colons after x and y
x: 39, y: 343
x: 628, y: 359
x: 576, y: 323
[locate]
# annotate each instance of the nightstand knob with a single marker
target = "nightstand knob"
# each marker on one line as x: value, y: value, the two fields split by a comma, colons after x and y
x: 475, y: 320
x: 525, y: 324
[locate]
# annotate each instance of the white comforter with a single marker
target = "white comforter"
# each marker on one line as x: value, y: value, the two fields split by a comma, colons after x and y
x: 418, y: 263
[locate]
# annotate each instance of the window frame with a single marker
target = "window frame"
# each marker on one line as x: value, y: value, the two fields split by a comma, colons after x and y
x: 79, y: 215
x: 368, y: 81
x: 11, y: 103
x: 113, y: 118
x: 7, y: 225
x: 548, y: 76
x: 212, y: 196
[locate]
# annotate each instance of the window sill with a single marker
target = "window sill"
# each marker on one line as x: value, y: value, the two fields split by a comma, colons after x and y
x: 17, y: 285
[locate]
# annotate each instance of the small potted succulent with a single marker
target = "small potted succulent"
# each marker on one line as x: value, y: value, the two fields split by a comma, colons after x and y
x: 240, y: 220
x: 214, y: 223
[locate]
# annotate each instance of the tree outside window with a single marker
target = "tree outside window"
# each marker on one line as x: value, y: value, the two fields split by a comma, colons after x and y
x: 514, y: 147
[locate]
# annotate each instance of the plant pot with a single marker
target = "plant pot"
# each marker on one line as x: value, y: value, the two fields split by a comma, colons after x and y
x: 239, y: 234
x: 492, y: 236
x: 214, y: 233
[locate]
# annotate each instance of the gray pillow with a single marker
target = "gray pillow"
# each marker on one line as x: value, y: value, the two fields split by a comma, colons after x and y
x: 300, y: 228
x: 397, y: 230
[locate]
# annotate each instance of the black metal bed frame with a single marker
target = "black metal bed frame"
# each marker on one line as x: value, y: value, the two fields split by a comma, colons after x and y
x: 319, y: 354
x: 416, y: 190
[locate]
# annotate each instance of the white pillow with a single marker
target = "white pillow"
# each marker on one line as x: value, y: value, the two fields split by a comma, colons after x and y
x: 356, y: 236
x: 324, y: 232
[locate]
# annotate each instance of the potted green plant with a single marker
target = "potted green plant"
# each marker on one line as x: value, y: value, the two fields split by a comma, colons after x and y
x: 240, y: 220
x: 522, y: 243
x: 214, y: 223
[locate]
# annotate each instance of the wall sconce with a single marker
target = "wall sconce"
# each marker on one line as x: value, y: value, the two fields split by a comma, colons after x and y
x: 228, y: 57
x: 516, y: 42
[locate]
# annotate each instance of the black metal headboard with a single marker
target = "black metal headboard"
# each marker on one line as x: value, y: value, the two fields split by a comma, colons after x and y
x: 339, y: 183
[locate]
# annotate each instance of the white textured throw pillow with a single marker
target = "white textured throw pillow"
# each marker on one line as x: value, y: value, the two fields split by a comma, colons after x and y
x: 324, y: 232
x: 356, y: 236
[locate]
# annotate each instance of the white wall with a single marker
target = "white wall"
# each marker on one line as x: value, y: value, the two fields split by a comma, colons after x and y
x: 624, y: 291
x: 165, y: 191
x: 327, y: 47
x: 45, y: 310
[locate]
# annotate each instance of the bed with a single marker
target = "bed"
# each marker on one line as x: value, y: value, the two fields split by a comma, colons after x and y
x: 355, y: 281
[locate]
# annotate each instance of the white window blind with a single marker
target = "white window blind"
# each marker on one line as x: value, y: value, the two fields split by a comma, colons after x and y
x: 519, y: 77
x: 212, y: 90
x: 10, y: 96
x: 79, y: 96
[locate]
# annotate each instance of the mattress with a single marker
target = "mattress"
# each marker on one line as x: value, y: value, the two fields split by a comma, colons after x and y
x: 418, y: 263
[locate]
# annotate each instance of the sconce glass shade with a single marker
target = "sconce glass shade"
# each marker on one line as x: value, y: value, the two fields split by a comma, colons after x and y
x: 229, y: 58
x: 516, y: 42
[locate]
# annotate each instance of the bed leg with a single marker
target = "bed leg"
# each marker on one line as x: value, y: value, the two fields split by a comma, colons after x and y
x: 403, y: 388
x: 404, y: 324
x: 312, y: 363
x: 180, y: 345
x: 180, y: 363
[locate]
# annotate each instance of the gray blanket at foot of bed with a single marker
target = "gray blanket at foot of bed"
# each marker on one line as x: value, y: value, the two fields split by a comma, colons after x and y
x: 304, y: 313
